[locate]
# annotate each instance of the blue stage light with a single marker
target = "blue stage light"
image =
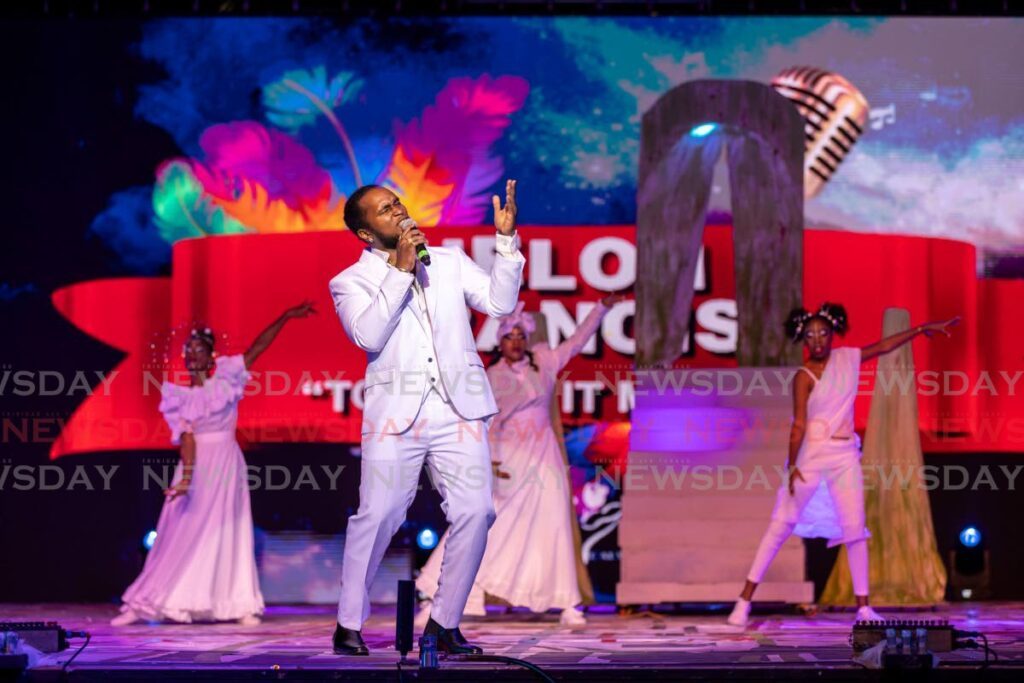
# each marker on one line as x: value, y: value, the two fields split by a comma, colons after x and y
x: 427, y: 538
x: 970, y: 537
x: 703, y: 130
x: 148, y: 540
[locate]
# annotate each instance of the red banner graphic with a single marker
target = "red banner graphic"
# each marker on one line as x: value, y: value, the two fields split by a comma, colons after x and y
x: 307, y: 386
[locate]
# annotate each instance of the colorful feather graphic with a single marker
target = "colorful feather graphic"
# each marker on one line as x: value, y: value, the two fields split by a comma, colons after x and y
x: 266, y: 180
x: 183, y: 209
x: 423, y: 196
x: 450, y: 147
x: 295, y: 100
x: 256, y: 209
x: 250, y: 151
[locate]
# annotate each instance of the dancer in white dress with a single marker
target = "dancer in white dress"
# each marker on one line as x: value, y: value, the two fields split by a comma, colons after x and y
x: 529, y: 561
x: 202, y: 566
x: 825, y: 493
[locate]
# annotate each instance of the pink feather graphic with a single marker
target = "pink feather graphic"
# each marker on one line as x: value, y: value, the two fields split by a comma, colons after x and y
x: 266, y: 180
x: 450, y: 146
x: 247, y: 151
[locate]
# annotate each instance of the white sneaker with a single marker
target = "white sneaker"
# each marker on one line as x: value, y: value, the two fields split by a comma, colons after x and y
x: 740, y: 613
x: 422, y: 616
x: 249, y: 620
x: 572, y: 617
x: 865, y: 613
x: 125, y: 618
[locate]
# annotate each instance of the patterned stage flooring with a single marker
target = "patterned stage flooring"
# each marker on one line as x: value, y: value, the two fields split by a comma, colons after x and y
x: 293, y: 643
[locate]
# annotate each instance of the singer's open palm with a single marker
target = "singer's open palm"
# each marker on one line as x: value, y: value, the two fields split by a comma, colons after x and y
x: 505, y: 218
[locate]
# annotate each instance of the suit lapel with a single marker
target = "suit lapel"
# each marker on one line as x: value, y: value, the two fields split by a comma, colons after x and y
x: 374, y: 265
x: 414, y: 304
x: 379, y: 270
x: 423, y: 274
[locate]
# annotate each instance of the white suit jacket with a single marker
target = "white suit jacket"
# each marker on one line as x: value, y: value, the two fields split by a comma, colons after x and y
x: 377, y: 308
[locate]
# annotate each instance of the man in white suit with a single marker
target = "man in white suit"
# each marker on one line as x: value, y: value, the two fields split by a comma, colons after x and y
x: 426, y: 398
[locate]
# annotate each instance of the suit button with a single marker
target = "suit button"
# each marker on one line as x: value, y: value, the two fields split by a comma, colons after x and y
x: 433, y: 379
x: 430, y: 360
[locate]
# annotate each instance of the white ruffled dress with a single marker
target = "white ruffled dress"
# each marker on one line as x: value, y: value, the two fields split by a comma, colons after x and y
x: 202, y: 566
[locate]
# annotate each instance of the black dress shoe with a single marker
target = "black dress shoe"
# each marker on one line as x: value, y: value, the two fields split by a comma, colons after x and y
x: 461, y: 640
x: 349, y: 642
x: 450, y: 640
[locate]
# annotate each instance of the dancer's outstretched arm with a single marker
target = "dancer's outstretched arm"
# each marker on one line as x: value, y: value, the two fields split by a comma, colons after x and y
x: 897, y: 340
x: 266, y: 337
x: 573, y: 344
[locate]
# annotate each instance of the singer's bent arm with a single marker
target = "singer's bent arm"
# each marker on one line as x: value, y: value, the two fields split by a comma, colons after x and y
x: 369, y: 319
x: 495, y: 294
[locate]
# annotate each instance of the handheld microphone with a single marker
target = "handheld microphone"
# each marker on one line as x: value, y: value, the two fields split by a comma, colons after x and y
x: 421, y: 251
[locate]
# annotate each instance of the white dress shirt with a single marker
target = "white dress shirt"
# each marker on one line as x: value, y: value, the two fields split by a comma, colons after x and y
x: 505, y: 245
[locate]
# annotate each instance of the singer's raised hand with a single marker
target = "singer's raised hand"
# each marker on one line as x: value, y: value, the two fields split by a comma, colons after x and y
x: 505, y: 218
x: 405, y: 254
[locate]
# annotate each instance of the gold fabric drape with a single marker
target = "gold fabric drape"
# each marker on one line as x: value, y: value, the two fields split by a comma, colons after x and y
x: 905, y: 566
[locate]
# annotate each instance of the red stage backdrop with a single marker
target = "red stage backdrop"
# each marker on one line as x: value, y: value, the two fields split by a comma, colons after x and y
x: 307, y: 386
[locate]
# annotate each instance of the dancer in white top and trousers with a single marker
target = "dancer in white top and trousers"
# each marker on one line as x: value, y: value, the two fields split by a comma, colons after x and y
x: 426, y: 398
x: 825, y: 493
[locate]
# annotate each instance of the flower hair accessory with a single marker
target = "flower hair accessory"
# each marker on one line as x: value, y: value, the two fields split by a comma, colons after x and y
x: 801, y: 322
x: 833, y: 314
x: 520, y: 319
x: 824, y: 313
x: 203, y: 334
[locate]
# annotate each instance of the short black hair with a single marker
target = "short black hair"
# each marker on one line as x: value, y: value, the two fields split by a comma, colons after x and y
x: 355, y: 217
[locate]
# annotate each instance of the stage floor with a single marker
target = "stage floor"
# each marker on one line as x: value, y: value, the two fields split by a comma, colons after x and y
x: 293, y: 643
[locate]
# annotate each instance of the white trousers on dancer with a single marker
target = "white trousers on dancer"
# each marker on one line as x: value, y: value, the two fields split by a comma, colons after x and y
x: 841, y: 472
x: 458, y: 459
x: 776, y: 535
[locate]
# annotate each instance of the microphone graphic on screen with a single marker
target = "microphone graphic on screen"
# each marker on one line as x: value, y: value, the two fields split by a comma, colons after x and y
x: 834, y: 112
x: 421, y: 251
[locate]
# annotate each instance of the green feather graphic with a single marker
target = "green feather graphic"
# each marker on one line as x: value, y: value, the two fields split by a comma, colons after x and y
x: 298, y: 97
x: 182, y: 208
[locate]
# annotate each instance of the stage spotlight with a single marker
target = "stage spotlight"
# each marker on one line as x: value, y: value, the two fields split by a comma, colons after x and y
x: 970, y: 537
x: 148, y: 540
x: 427, y: 539
x: 969, y: 566
x: 703, y: 130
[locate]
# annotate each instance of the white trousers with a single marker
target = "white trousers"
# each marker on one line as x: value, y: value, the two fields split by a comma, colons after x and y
x: 458, y: 460
x: 777, y: 534
x: 845, y: 482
